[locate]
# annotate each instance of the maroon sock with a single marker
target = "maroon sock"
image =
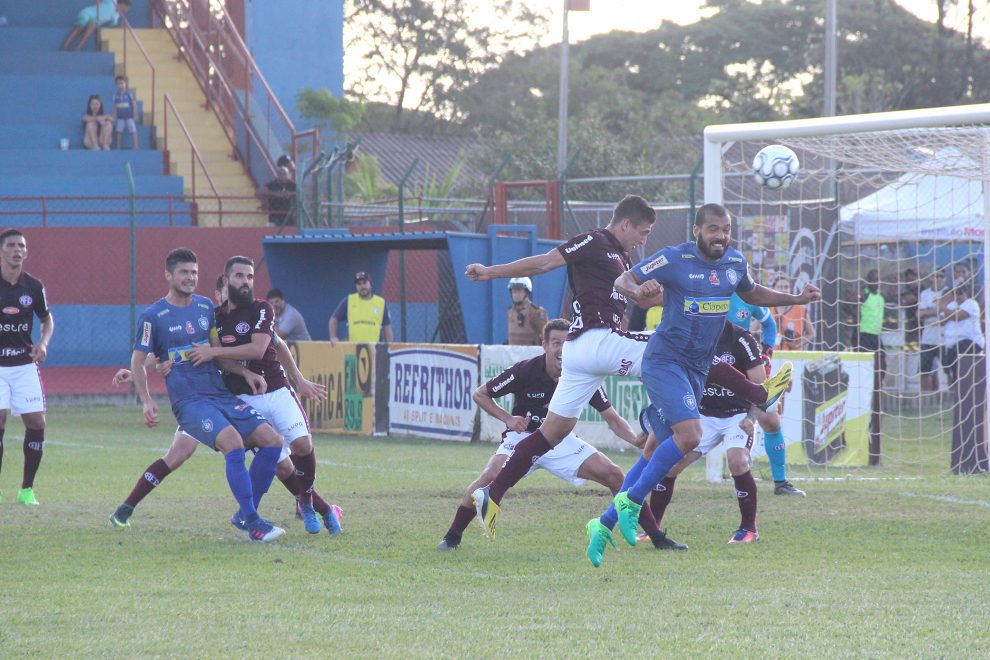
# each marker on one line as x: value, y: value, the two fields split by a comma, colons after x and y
x: 527, y: 451
x: 462, y: 519
x: 292, y: 484
x: 746, y: 492
x: 34, y: 447
x: 1, y: 449
x: 320, y: 504
x: 728, y: 376
x: 660, y: 498
x: 306, y: 472
x: 147, y: 482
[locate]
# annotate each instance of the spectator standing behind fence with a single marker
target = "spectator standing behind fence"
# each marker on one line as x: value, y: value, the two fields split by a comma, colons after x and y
x: 285, y: 161
x: 526, y: 318
x: 908, y: 295
x: 281, y: 196
x: 124, y: 112
x: 931, y: 331
x: 365, y: 314
x: 289, y: 323
x: 795, y: 331
x: 98, y: 14
x: 97, y: 125
x: 961, y: 328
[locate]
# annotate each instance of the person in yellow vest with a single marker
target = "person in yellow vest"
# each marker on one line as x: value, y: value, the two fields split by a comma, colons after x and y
x: 365, y: 314
x: 871, y: 309
x: 526, y: 318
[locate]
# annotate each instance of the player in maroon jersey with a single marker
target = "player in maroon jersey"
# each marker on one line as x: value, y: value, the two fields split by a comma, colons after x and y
x: 22, y: 297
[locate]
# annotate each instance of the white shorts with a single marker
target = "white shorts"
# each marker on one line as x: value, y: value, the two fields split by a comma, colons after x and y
x: 588, y: 359
x: 717, y: 429
x: 283, y: 411
x: 563, y: 461
x: 20, y: 389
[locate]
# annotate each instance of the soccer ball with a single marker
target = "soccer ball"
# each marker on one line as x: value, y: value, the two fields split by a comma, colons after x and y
x: 775, y: 166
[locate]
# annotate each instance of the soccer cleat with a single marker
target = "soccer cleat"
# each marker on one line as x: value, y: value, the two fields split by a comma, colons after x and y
x: 122, y: 516
x: 448, y: 545
x: 743, y: 535
x: 311, y: 521
x: 26, y: 496
x: 787, y: 488
x: 487, y: 511
x: 628, y: 516
x: 599, y: 537
x: 238, y: 522
x: 664, y: 542
x: 642, y: 536
x: 262, y: 531
x: 777, y: 384
x: 331, y: 520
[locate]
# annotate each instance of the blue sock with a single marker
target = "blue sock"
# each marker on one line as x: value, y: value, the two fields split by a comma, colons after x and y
x: 777, y: 454
x: 240, y: 484
x: 664, y: 458
x: 610, y: 517
x: 263, y: 471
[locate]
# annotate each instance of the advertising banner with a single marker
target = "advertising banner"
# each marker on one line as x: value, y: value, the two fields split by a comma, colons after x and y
x: 430, y: 388
x: 347, y: 370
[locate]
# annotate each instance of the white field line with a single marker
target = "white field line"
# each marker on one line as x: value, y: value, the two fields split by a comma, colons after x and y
x: 948, y: 498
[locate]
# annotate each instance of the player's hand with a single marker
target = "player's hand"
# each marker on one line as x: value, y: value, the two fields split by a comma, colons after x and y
x: 256, y: 382
x: 641, y: 440
x: 747, y: 427
x: 333, y: 341
x: 200, y: 354
x: 649, y: 289
x: 151, y: 414
x: 517, y: 423
x: 39, y: 352
x: 122, y: 376
x: 477, y: 273
x: 811, y: 293
x: 163, y: 368
x: 307, y: 389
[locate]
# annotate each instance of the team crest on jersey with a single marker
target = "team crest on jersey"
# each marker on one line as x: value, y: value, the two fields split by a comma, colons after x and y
x: 732, y: 275
x: 659, y: 262
x: 25, y: 300
x: 11, y: 310
x: 713, y: 279
x: 690, y: 402
x: 204, y: 323
x: 741, y: 314
x: 242, y: 328
x: 207, y: 425
x: 190, y: 330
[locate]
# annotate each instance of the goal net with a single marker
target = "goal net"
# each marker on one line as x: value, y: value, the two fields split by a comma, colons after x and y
x: 888, y: 218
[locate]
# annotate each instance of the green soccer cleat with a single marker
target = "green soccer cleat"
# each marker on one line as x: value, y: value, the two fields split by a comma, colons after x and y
x: 122, y: 516
x: 599, y: 537
x: 26, y: 496
x: 777, y: 384
x: 628, y: 516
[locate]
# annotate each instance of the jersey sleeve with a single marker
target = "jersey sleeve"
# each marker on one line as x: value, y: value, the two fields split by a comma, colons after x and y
x: 767, y: 324
x: 502, y: 384
x: 40, y: 304
x: 747, y: 352
x: 263, y: 320
x: 657, y: 267
x: 576, y: 249
x: 145, y: 339
x: 746, y: 282
x: 599, y: 400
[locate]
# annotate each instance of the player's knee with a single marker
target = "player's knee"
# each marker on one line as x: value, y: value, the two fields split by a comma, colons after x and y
x: 266, y: 436
x: 738, y: 461
x: 770, y: 422
x: 613, y: 478
x: 302, y: 446
x: 33, y: 421
x: 285, y: 469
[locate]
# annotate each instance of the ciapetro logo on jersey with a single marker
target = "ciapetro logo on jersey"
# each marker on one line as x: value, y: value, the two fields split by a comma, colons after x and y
x: 706, y: 306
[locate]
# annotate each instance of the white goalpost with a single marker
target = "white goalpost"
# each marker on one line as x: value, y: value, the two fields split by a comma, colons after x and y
x: 886, y: 203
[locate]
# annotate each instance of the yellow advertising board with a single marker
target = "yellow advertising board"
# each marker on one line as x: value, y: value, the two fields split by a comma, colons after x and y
x: 347, y: 369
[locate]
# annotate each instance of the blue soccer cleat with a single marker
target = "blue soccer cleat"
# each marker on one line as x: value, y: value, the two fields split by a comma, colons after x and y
x: 262, y: 531
x: 332, y: 519
x: 238, y: 522
x: 743, y: 535
x: 311, y: 521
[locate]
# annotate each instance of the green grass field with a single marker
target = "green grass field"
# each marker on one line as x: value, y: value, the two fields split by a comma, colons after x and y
x: 876, y: 567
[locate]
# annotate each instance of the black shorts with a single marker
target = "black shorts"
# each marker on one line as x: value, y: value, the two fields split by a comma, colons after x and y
x: 928, y: 355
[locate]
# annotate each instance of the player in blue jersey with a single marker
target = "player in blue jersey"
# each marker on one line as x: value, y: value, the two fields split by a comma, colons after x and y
x: 742, y: 313
x: 698, y: 279
x: 201, y: 402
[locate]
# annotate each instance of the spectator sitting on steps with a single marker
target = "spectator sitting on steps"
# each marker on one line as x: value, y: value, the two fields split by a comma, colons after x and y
x: 97, y: 125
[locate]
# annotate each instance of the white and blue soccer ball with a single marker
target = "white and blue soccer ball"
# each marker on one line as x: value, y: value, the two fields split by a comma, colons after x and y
x: 776, y: 166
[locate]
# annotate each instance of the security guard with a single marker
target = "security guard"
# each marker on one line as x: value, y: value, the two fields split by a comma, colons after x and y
x: 526, y: 318
x: 365, y: 314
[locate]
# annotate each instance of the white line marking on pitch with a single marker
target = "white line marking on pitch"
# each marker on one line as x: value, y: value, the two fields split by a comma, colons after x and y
x: 948, y: 498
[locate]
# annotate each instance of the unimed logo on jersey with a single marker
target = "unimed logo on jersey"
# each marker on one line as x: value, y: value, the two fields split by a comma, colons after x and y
x: 577, y: 246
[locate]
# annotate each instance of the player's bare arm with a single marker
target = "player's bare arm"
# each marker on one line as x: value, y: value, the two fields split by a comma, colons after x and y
x: 629, y: 285
x: 534, y: 265
x: 489, y: 405
x: 255, y: 350
x: 303, y: 387
x: 765, y: 297
x: 124, y: 375
x: 40, y: 350
x: 140, y: 376
x: 620, y: 427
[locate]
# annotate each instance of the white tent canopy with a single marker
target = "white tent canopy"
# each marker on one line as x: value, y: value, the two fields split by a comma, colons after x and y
x: 918, y: 207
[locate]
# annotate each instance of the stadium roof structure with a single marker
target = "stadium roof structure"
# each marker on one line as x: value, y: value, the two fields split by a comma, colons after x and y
x: 437, y: 156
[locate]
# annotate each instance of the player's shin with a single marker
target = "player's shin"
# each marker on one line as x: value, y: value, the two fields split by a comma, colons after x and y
x: 34, y: 447
x: 776, y: 450
x: 660, y: 498
x: 609, y: 518
x: 462, y: 518
x: 746, y: 495
x: 148, y: 481
x: 529, y: 448
x: 262, y: 471
x: 666, y: 456
x: 306, y: 473
x: 240, y: 484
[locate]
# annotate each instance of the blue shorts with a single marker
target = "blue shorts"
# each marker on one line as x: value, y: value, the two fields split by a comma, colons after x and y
x: 650, y: 419
x: 203, y: 418
x: 108, y: 15
x: 674, y: 389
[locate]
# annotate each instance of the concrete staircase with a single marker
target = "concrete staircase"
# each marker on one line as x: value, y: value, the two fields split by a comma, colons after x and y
x: 173, y: 77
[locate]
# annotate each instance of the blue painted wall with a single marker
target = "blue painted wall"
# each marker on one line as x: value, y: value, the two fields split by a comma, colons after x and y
x: 297, y: 44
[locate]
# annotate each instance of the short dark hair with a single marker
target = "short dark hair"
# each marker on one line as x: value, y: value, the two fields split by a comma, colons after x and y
x: 179, y: 256
x: 634, y: 208
x: 7, y: 233
x: 124, y: 78
x: 283, y: 161
x: 554, y: 324
x: 124, y: 2
x: 219, y: 283
x: 233, y: 261
x: 275, y: 293
x: 706, y: 210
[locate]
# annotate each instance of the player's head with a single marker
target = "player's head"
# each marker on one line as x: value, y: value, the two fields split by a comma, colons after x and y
x: 238, y: 273
x: 276, y: 299
x: 554, y: 335
x: 712, y: 230
x: 123, y: 6
x: 182, y: 271
x: 632, y: 220
x: 13, y: 247
x: 873, y: 279
x: 220, y: 291
x: 121, y: 82
x: 362, y: 284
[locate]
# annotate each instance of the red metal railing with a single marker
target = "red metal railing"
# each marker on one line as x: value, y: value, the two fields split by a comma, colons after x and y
x: 194, y: 155
x: 95, y: 211
x: 127, y: 71
x: 234, y: 86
